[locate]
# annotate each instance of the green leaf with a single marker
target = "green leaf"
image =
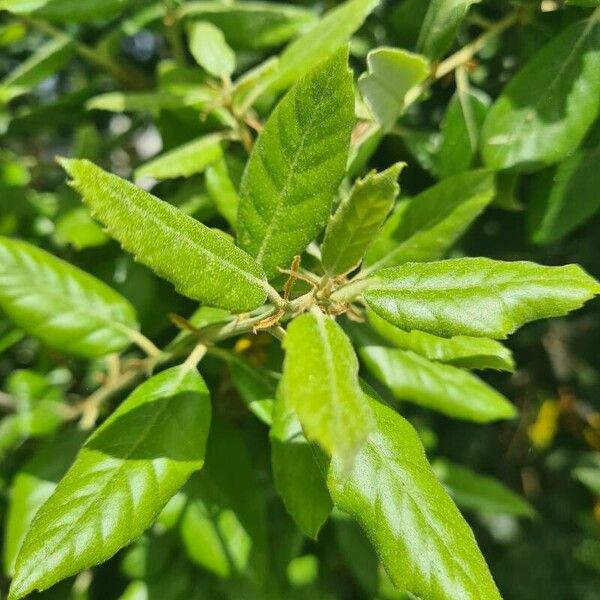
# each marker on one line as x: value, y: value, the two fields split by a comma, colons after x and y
x: 358, y: 219
x: 460, y: 131
x: 423, y: 228
x: 223, y: 527
x: 33, y: 485
x: 201, y: 263
x: 119, y: 102
x: 296, y: 166
x: 442, y: 20
x: 478, y: 492
x: 122, y: 477
x: 564, y: 198
x: 548, y: 106
x: 63, y: 306
x: 320, y: 42
x: 68, y: 10
x: 477, y: 296
x: 590, y: 477
x: 210, y: 50
x: 185, y: 160
x: 299, y: 472
x: 77, y: 228
x: 43, y: 63
x: 252, y: 24
x: 320, y: 384
x: 423, y: 541
x: 222, y: 191
x: 443, y: 388
x: 460, y: 351
x: 392, y: 72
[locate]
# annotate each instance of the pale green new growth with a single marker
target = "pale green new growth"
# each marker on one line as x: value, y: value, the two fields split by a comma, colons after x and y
x: 358, y: 219
x: 201, y: 263
x: 210, y: 50
x: 443, y: 388
x: 184, y: 161
x: 461, y: 350
x: 476, y: 296
x: 65, y: 307
x: 425, y: 227
x: 392, y: 72
x: 320, y: 384
x: 423, y: 541
x: 296, y: 166
x: 123, y: 476
x: 546, y: 109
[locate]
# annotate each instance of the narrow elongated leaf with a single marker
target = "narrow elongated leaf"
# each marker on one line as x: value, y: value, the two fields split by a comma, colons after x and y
x: 320, y: 384
x: 67, y: 10
x: 319, y: 42
x: 460, y: 351
x: 444, y: 388
x: 425, y: 227
x: 201, y: 263
x: 222, y: 191
x: 460, y: 132
x: 296, y: 166
x: 48, y: 59
x: 478, y: 492
x: 33, y: 485
x: 185, y: 160
x: 299, y: 472
x: 119, y: 102
x: 547, y: 108
x: 210, y: 50
x: 442, y: 20
x: 392, y: 72
x: 424, y: 543
x: 63, y: 306
x: 123, y: 476
x: 357, y: 220
x: 564, y: 198
x: 252, y: 24
x: 477, y: 296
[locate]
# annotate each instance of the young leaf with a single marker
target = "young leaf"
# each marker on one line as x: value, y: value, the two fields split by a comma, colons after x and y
x: 477, y: 296
x: 392, y: 72
x: 547, y: 108
x: 210, y: 50
x: 442, y: 20
x: 357, y: 220
x: 460, y: 131
x: 185, y: 160
x: 320, y: 384
x: 319, y: 42
x: 200, y: 263
x: 33, y: 485
x: 423, y: 541
x: 67, y: 10
x: 460, y: 351
x: 119, y: 102
x: 122, y: 477
x: 444, y: 388
x: 564, y: 198
x: 425, y: 227
x: 296, y: 166
x: 252, y: 24
x: 298, y: 472
x: 63, y: 306
x: 478, y: 492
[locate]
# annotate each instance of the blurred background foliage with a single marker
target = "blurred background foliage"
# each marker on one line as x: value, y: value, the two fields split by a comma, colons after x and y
x: 118, y: 86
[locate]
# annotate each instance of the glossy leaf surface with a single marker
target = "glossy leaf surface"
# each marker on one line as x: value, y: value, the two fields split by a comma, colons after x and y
x: 63, y: 306
x: 477, y: 296
x: 123, y: 476
x: 201, y: 263
x: 423, y: 541
x: 296, y: 166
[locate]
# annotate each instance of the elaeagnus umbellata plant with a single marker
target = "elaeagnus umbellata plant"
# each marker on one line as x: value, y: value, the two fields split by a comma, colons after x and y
x: 207, y: 442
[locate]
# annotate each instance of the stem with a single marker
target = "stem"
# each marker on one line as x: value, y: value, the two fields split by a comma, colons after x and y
x: 351, y: 291
x: 172, y: 32
x: 274, y: 297
x: 140, y: 340
x: 194, y: 358
x: 129, y: 76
